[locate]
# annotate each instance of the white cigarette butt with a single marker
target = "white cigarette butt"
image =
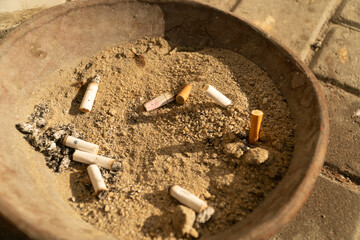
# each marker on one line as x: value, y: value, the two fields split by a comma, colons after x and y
x: 90, y: 94
x: 96, y: 178
x: 159, y: 101
x: 80, y: 144
x: 91, y: 158
x: 217, y: 96
x: 187, y: 198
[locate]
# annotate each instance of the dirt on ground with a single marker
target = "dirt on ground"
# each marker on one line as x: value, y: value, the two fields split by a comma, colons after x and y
x: 198, y: 145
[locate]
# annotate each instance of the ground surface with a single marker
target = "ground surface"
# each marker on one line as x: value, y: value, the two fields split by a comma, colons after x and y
x: 324, y: 34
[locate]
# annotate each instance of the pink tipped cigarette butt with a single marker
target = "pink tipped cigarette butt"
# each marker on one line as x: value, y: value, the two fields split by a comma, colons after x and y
x: 159, y: 101
x: 96, y: 178
x: 90, y: 94
x: 79, y: 144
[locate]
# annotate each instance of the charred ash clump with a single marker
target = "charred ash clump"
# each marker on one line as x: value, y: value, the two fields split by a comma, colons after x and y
x: 48, y: 141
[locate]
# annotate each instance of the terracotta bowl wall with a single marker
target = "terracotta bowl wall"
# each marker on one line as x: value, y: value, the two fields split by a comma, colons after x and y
x: 60, y: 37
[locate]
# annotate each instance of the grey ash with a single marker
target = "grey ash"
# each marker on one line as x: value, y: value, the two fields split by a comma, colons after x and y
x: 48, y: 141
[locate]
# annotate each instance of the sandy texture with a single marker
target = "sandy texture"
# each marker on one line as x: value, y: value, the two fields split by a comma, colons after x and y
x: 178, y: 144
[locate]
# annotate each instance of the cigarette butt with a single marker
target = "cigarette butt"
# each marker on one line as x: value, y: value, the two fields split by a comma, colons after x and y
x: 96, y: 178
x: 80, y: 144
x: 159, y: 101
x: 91, y: 158
x: 217, y: 96
x: 89, y: 97
x: 184, y: 94
x: 255, y: 123
x: 187, y: 198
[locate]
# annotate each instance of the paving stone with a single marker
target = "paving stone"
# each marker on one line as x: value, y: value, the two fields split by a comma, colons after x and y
x: 295, y: 23
x: 344, y: 146
x: 338, y: 60
x: 331, y: 213
x: 349, y: 13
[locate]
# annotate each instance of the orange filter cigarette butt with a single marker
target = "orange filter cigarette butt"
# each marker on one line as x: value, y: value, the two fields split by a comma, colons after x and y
x: 184, y: 94
x: 255, y: 123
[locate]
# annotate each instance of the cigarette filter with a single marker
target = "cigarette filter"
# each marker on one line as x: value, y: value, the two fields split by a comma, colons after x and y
x: 217, y: 96
x: 91, y: 158
x: 159, y: 101
x: 80, y: 144
x: 96, y: 178
x: 90, y: 94
x: 184, y: 94
x: 255, y: 123
x: 187, y: 198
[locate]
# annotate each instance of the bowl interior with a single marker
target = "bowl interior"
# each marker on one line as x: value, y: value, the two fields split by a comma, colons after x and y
x: 62, y: 36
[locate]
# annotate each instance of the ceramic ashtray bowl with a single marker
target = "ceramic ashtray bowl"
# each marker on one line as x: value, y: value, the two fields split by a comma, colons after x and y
x: 61, y: 36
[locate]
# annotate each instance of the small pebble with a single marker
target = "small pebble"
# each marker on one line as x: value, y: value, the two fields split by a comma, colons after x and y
x: 234, y: 149
x: 107, y: 208
x: 112, y: 112
x: 40, y: 122
x: 123, y: 133
x: 207, y: 195
x: 25, y: 127
x: 230, y: 136
x: 256, y: 156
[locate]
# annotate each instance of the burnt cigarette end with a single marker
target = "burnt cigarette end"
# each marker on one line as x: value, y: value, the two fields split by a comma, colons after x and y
x: 102, y: 194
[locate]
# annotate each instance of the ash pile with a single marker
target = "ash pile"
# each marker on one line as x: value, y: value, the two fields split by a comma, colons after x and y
x: 48, y: 140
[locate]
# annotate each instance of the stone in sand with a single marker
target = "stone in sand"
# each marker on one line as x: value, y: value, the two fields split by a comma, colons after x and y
x: 183, y: 220
x: 234, y: 149
x: 256, y: 156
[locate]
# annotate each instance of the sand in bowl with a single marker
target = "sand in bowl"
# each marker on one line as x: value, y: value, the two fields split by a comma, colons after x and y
x: 198, y: 145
